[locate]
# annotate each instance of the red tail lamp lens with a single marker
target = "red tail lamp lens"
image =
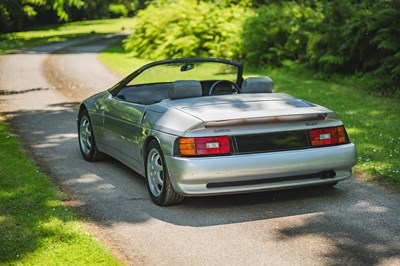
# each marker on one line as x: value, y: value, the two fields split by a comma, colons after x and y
x: 327, y: 136
x: 204, y: 146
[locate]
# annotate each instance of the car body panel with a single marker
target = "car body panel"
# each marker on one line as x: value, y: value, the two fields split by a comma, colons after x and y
x: 191, y: 175
x: 123, y: 129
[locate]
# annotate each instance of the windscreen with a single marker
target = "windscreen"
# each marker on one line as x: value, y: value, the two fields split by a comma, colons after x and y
x: 187, y: 71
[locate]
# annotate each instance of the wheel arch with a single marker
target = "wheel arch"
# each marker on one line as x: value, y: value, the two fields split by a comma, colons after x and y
x: 144, y: 149
x: 82, y: 107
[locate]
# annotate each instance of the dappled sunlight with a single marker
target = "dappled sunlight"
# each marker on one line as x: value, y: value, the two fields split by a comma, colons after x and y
x: 375, y: 113
x: 365, y: 206
x: 55, y: 140
x: 88, y: 178
x: 350, y: 245
x: 4, y: 219
x: 353, y: 131
x: 62, y: 137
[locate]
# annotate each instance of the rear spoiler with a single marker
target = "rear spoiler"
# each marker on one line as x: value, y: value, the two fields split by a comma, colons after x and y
x: 306, y: 115
x: 266, y: 120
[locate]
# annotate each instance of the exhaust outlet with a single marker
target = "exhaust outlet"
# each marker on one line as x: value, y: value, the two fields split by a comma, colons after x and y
x: 328, y: 174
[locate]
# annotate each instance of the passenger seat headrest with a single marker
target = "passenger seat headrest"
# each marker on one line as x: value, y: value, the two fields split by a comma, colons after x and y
x: 257, y: 85
x: 185, y: 89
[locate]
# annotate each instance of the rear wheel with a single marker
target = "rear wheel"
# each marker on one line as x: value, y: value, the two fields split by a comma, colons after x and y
x: 158, y: 181
x: 87, y: 143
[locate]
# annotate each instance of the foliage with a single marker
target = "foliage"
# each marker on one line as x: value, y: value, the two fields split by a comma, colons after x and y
x: 366, y: 40
x: 187, y: 28
x: 35, y: 227
x: 279, y: 32
x: 342, y: 36
x: 118, y: 10
x: 376, y: 42
x: 17, y: 15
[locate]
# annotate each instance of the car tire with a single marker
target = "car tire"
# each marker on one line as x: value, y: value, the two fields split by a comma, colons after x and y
x: 87, y: 142
x: 157, y: 178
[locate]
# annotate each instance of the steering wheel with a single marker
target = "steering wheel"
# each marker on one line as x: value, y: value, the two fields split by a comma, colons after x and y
x: 234, y: 87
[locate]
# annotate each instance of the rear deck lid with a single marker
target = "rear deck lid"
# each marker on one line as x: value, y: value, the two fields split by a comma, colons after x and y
x: 247, y: 106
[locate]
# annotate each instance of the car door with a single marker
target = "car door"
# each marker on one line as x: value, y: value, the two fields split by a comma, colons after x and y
x: 122, y: 129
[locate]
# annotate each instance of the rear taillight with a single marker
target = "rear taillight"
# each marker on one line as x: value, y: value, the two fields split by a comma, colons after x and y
x: 204, y: 146
x: 327, y: 136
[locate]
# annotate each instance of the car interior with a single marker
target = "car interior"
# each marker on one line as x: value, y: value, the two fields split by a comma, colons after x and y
x: 156, y: 92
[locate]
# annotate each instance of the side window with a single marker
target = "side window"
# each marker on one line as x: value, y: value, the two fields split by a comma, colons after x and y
x: 144, y: 94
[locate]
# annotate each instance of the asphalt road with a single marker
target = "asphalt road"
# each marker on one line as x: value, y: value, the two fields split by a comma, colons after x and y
x: 356, y: 223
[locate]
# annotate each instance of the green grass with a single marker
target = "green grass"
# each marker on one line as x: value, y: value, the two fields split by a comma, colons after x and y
x: 35, y: 227
x: 62, y: 32
x: 373, y: 122
x: 119, y: 61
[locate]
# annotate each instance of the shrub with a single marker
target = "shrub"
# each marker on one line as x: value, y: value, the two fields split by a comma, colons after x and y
x: 360, y: 37
x: 117, y: 10
x: 279, y: 32
x: 187, y: 28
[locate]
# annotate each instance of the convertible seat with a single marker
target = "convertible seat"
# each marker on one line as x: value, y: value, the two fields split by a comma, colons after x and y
x: 257, y: 85
x: 185, y: 89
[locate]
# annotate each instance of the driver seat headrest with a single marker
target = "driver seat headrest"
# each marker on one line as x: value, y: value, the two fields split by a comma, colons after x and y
x: 185, y: 89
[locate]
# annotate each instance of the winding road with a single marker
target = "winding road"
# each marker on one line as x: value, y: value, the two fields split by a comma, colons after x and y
x: 355, y: 223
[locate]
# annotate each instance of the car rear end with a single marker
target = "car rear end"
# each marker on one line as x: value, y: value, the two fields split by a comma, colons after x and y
x: 257, y: 143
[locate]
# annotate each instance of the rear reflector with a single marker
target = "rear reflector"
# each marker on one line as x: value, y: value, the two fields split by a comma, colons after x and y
x: 327, y: 136
x: 204, y: 146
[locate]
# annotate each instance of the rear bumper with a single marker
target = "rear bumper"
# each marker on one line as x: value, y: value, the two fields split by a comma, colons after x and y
x: 260, y: 172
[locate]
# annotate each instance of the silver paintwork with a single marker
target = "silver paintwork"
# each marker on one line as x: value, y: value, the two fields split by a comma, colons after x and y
x: 191, y: 175
x: 123, y: 130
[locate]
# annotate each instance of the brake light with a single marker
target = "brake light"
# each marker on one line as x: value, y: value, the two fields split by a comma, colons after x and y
x: 204, y: 146
x: 327, y: 136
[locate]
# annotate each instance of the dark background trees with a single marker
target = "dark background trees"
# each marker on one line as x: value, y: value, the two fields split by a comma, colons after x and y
x: 17, y: 15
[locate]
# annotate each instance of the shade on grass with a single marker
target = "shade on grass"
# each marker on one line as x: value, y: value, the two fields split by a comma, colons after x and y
x: 35, y: 227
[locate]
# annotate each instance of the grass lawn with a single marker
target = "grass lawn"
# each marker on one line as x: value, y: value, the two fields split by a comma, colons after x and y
x: 372, y: 122
x: 62, y: 32
x: 35, y: 227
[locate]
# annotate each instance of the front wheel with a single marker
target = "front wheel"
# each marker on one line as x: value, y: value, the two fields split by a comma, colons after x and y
x: 87, y: 143
x: 158, y: 182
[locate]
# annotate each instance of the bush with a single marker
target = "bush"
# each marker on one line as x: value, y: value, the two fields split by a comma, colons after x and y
x: 344, y: 37
x: 187, y: 28
x: 117, y: 10
x: 279, y: 32
x: 360, y: 38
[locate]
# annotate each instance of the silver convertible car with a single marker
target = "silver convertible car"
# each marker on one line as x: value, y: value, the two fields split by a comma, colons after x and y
x: 195, y: 127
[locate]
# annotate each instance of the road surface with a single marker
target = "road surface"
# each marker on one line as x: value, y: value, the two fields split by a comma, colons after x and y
x: 356, y: 223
